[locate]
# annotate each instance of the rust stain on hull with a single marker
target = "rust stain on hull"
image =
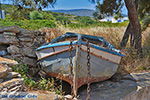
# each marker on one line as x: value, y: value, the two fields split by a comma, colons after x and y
x: 79, y: 81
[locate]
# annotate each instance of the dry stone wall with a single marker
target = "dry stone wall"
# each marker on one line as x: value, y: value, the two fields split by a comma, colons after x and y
x: 20, y: 44
x: 9, y: 81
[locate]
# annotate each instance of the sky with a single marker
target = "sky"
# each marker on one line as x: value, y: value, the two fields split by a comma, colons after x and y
x: 71, y: 4
x: 74, y: 4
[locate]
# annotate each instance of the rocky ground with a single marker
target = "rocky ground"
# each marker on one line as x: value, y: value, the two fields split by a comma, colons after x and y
x: 134, y: 86
x: 9, y: 81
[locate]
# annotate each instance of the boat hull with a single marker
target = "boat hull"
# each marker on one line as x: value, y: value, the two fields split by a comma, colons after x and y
x: 102, y: 64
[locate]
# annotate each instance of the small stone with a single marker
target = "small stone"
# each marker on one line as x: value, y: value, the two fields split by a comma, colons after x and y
x: 29, y: 52
x: 3, y: 71
x: 27, y: 44
x: 13, y: 49
x: 29, y: 61
x: 1, y: 80
x: 12, y: 75
x: 42, y: 73
x: 16, y: 89
x: 68, y: 97
x: 7, y: 61
x: 8, y: 39
x: 26, y: 39
x: 9, y: 33
x: 75, y: 99
x: 3, y: 53
x: 11, y: 83
x: 9, y: 69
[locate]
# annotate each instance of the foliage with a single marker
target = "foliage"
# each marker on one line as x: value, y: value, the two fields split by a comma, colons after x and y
x: 146, y: 22
x: 35, y: 15
x: 97, y: 24
x: 143, y: 8
x: 37, y: 24
x: 85, y: 20
x: 63, y: 20
x: 32, y: 19
x: 28, y: 24
x: 16, y: 14
x: 42, y: 84
x: 36, y: 4
x: 108, y: 8
x: 22, y: 69
x: 48, y: 16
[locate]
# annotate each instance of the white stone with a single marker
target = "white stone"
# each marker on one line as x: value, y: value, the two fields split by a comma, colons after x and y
x: 12, y: 75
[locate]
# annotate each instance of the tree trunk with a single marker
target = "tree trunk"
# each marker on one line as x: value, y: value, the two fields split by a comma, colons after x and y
x: 134, y: 27
x: 126, y: 36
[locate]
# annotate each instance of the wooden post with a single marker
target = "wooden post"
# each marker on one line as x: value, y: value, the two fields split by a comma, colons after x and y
x: 75, y: 87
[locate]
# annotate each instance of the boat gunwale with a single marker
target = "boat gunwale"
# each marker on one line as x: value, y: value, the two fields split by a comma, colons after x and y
x: 64, y: 50
x: 56, y: 52
x: 100, y: 57
x: 80, y: 43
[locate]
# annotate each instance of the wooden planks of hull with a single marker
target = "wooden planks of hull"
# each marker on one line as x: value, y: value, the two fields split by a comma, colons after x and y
x: 59, y: 66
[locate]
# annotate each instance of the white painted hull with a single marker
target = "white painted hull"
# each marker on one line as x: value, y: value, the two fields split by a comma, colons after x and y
x: 103, y: 64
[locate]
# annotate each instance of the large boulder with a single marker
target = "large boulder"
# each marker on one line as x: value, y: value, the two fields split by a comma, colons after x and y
x: 135, y: 86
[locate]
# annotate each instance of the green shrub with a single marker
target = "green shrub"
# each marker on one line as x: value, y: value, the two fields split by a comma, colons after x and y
x: 21, y: 68
x: 85, y: 20
x: 63, y: 20
x: 35, y: 15
x: 48, y: 16
x: 42, y: 83
x: 28, y: 24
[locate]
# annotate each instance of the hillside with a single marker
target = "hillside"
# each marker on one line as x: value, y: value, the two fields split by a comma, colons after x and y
x: 31, y: 19
x: 77, y: 12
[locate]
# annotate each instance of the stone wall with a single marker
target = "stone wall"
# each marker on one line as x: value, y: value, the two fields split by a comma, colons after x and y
x: 9, y: 81
x: 20, y: 44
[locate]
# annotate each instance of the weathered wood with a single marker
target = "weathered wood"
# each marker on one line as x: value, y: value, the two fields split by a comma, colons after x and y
x: 54, y: 53
x: 58, y: 66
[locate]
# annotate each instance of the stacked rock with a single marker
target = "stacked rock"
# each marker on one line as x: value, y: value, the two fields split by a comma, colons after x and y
x: 9, y: 81
x: 20, y: 44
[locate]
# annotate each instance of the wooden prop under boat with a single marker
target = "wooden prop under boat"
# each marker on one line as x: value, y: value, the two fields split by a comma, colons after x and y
x: 70, y: 60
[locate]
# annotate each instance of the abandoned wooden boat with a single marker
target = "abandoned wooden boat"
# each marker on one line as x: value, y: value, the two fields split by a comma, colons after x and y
x: 79, y: 59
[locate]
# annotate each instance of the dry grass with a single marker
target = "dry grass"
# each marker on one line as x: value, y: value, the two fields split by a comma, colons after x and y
x: 113, y: 35
x: 146, y: 37
x: 132, y: 63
